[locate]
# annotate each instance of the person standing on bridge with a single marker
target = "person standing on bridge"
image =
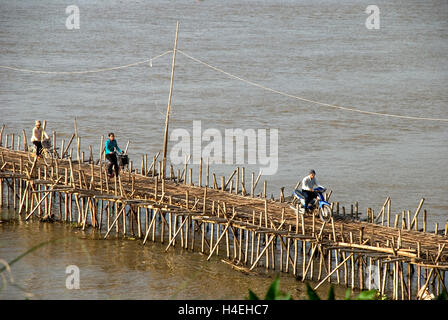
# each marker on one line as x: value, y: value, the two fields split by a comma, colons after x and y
x: 308, y: 185
x: 39, y: 135
x: 111, y: 146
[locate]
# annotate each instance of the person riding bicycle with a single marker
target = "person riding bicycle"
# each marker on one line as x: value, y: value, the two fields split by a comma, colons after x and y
x: 39, y: 136
x: 308, y: 184
x: 111, y: 146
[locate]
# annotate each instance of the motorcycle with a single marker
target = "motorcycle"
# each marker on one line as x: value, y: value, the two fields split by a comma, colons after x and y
x: 317, y: 206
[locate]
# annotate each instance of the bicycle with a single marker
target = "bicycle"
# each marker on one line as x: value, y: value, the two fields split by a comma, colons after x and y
x: 47, y: 153
x: 122, y: 161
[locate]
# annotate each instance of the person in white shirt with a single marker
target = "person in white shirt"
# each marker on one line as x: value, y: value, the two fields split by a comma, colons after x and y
x: 308, y: 185
x: 39, y: 135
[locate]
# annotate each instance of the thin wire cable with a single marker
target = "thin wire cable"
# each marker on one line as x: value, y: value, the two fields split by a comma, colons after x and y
x: 305, y: 99
x: 88, y: 71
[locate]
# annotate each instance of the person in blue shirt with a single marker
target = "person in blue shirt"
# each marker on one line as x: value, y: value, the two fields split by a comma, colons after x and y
x: 111, y: 146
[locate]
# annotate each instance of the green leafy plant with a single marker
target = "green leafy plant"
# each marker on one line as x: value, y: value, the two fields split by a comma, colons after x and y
x: 443, y: 295
x: 273, y: 292
x: 364, y: 295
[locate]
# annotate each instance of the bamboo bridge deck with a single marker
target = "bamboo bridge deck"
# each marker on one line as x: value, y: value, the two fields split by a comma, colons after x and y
x: 227, y: 221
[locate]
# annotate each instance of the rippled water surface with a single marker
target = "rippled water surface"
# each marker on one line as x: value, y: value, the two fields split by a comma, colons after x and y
x: 120, y: 269
x: 319, y: 50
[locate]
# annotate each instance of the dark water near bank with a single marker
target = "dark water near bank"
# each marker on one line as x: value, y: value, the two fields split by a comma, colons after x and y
x: 320, y: 50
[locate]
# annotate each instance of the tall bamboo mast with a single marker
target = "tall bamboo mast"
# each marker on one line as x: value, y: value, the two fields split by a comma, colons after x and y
x: 165, y: 137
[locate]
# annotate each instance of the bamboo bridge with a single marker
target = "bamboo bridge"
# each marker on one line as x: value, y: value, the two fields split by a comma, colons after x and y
x: 224, y: 219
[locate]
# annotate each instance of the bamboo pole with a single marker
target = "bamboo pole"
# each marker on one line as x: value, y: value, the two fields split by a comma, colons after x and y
x: 424, y: 220
x: 165, y: 138
x: 200, y: 173
x: 334, y: 270
x: 414, y: 219
x: 207, y: 172
x: 1, y: 135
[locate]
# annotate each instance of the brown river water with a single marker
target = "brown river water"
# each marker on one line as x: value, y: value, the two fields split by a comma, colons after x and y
x: 121, y: 269
x: 320, y: 50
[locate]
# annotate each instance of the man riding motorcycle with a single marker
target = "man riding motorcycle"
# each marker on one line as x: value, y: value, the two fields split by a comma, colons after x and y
x: 308, y: 185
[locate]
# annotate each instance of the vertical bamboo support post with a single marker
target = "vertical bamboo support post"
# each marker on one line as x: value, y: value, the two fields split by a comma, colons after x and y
x: 211, y: 236
x: 424, y: 220
x: 264, y: 189
x: 266, y: 239
x: 169, y: 226
x: 146, y: 164
x: 227, y: 244
x: 288, y: 244
x: 159, y: 175
x: 207, y: 172
x: 237, y: 180
x: 171, y: 172
x: 361, y: 272
x: 409, y: 220
x: 243, y: 183
x: 223, y: 184
x: 296, y: 254
x: 181, y: 220
x: 1, y: 190
x: 187, y: 231
x: 165, y: 137
x: 397, y: 216
x: 388, y: 212
x: 153, y: 167
x: 78, y: 152
x: 202, y: 236
x: 185, y: 170
x: 240, y: 247
x: 200, y: 173
x: 252, y: 185
x: 321, y: 260
x: 303, y: 260
x: 215, y: 184
x: 193, y: 230
x: 266, y: 213
x: 154, y: 227
x: 25, y: 141
x: 1, y: 135
x: 258, y: 245
x: 408, y: 269
x: 218, y: 234
x: 14, y: 194
x: 252, y: 248
x: 246, y: 252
